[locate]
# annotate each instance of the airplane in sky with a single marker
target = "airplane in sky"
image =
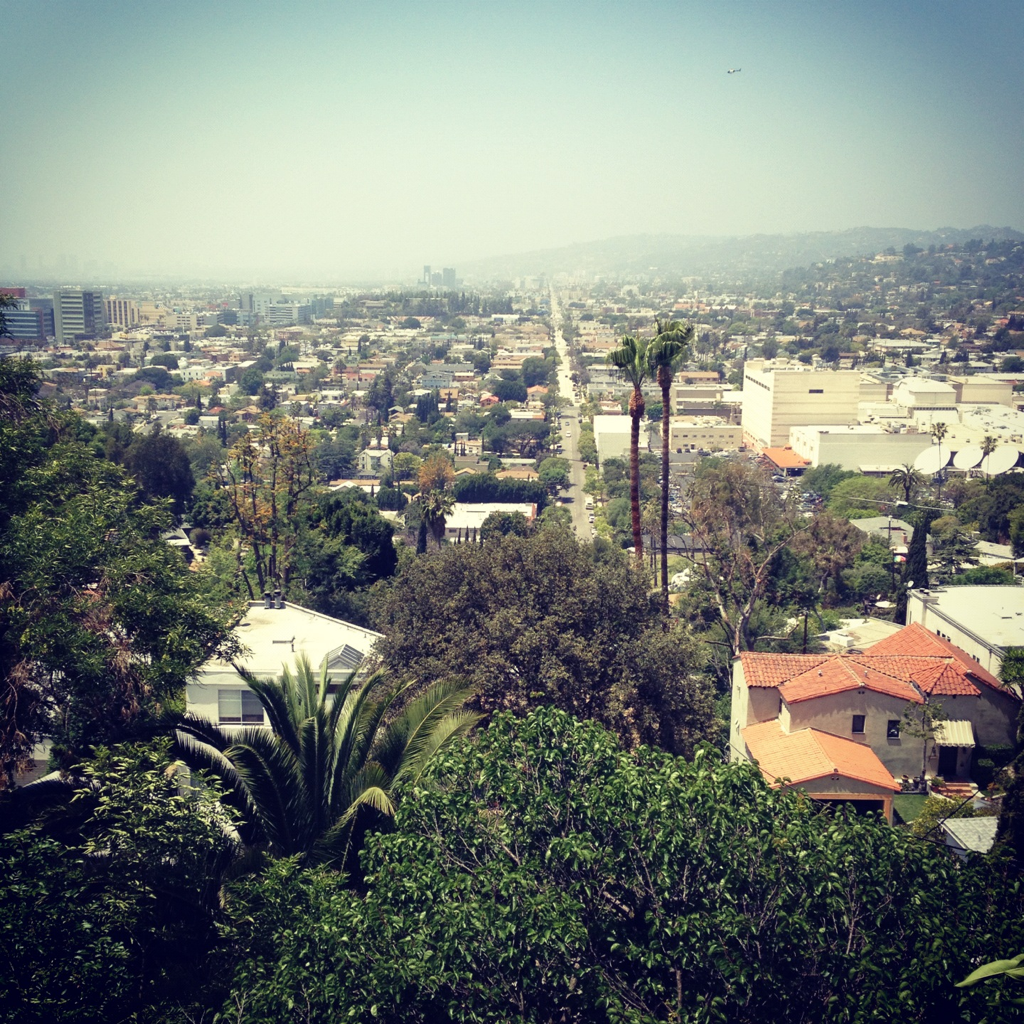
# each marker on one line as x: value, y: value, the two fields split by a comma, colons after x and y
x: 732, y: 71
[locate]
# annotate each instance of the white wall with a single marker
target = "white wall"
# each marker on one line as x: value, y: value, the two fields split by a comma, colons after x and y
x: 776, y: 400
x: 851, y: 450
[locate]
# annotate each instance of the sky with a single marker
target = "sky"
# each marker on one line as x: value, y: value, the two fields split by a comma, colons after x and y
x: 331, y: 140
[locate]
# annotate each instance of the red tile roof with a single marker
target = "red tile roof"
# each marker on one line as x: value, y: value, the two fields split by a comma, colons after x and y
x: 842, y: 673
x: 916, y: 641
x: 810, y: 754
x: 907, y: 665
x: 773, y: 669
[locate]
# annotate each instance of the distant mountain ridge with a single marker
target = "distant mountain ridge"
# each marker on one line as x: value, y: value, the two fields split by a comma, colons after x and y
x: 703, y: 256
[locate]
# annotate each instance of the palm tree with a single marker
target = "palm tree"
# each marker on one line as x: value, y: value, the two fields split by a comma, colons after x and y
x: 301, y: 784
x: 631, y: 358
x: 667, y: 350
x: 435, y: 508
x: 988, y: 446
x: 906, y: 477
x: 939, y: 431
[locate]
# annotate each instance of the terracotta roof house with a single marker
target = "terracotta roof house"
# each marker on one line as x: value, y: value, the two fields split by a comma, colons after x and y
x: 833, y: 723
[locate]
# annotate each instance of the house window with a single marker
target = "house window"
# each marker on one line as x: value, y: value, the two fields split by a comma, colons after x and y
x: 858, y: 724
x: 239, y: 707
x: 892, y: 730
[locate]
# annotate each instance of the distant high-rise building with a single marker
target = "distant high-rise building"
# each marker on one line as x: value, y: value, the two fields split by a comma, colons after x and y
x: 78, y: 315
x: 30, y: 320
x: 321, y: 305
x: 426, y: 273
x: 285, y: 314
x: 448, y: 277
x: 123, y: 313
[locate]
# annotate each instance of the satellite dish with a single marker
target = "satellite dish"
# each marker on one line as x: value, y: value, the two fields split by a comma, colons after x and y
x: 1002, y: 459
x: 968, y: 456
x: 931, y: 460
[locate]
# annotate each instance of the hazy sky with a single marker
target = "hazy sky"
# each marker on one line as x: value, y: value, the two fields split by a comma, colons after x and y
x: 328, y: 139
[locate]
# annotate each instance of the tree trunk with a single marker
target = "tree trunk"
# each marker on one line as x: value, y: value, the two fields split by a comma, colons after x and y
x: 665, y: 381
x: 636, y: 411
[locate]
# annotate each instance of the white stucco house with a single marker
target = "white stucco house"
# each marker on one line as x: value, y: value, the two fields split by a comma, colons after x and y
x: 273, y: 633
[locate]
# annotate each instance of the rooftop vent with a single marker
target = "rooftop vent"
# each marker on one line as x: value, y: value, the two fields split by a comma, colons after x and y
x: 345, y: 657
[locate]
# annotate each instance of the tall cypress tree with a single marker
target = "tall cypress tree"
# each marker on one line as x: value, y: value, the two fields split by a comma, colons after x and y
x: 915, y: 568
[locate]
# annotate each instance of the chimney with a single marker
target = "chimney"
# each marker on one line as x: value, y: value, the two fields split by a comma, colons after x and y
x: 278, y: 600
x: 267, y: 601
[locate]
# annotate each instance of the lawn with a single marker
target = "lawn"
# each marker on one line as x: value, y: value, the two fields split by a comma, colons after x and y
x: 908, y: 805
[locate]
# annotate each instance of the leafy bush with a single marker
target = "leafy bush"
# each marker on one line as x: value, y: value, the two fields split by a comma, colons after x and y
x: 547, y: 874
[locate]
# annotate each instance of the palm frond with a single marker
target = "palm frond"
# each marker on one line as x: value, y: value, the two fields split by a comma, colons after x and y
x: 273, y: 779
x: 256, y: 767
x: 274, y: 695
x: 315, y: 763
x: 631, y: 358
x: 669, y: 344
x: 358, y: 729
x: 419, y: 753
x: 369, y: 787
x: 301, y: 783
x: 339, y: 699
x: 410, y: 731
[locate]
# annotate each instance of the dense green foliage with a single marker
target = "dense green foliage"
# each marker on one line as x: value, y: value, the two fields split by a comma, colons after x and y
x: 344, y: 545
x: 543, y: 619
x: 108, y: 909
x: 486, y: 487
x: 548, y: 875
x: 334, y: 752
x: 101, y: 623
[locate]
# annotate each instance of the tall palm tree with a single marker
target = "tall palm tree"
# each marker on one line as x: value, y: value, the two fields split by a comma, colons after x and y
x: 988, y: 445
x: 906, y: 477
x: 667, y: 350
x: 328, y: 755
x: 939, y: 431
x: 631, y: 358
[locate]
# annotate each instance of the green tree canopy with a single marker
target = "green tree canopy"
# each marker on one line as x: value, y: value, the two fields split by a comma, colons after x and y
x: 502, y: 524
x: 861, y: 497
x: 251, y: 381
x: 821, y: 479
x: 554, y: 474
x: 509, y: 390
x: 543, y: 619
x: 162, y: 468
x: 102, y: 622
x: 108, y: 907
x: 157, y: 376
x: 547, y: 874
x: 346, y: 544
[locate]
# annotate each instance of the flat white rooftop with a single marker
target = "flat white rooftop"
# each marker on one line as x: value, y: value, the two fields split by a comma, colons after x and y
x: 274, y: 637
x: 995, y: 613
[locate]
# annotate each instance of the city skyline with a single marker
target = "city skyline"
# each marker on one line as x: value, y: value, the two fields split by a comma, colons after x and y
x: 354, y: 141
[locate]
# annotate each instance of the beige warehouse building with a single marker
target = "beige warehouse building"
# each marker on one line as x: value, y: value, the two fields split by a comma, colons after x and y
x: 778, y: 398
